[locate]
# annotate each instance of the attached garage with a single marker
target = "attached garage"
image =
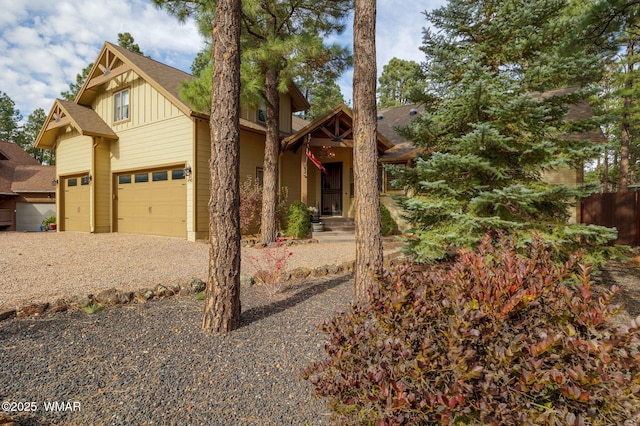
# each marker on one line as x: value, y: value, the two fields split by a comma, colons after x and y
x: 29, y: 216
x: 75, y: 207
x: 152, y: 202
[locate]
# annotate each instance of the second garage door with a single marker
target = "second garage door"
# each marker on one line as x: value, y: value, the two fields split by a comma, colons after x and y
x: 152, y: 202
x: 29, y: 216
x: 76, y: 204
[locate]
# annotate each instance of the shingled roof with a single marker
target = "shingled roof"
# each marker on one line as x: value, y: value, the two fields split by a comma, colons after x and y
x: 20, y: 172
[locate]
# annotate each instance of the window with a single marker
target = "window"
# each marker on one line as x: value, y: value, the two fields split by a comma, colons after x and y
x: 158, y: 176
x: 124, y: 179
x: 72, y: 182
x: 262, y: 113
x: 121, y: 105
x: 177, y: 174
x: 142, y: 177
x: 259, y: 175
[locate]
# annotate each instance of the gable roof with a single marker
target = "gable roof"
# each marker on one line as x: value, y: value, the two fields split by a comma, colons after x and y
x: 16, y: 161
x: 334, y: 126
x: 63, y: 113
x: 389, y: 120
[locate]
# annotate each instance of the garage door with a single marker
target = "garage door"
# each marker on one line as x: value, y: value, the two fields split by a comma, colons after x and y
x: 76, y: 204
x: 152, y: 202
x: 29, y: 216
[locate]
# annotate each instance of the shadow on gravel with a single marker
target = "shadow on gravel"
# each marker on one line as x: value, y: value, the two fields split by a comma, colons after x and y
x: 264, y: 311
x: 628, y: 279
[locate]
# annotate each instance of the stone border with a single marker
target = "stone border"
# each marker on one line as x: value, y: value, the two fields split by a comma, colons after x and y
x: 112, y: 296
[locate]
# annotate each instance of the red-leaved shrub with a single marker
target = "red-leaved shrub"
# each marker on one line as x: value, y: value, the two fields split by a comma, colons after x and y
x: 492, y: 339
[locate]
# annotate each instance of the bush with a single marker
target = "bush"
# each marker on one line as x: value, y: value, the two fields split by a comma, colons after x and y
x: 387, y: 224
x: 298, y: 220
x: 493, y: 339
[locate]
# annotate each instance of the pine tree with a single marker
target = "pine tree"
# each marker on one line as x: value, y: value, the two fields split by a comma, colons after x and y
x: 491, y: 134
x: 401, y: 81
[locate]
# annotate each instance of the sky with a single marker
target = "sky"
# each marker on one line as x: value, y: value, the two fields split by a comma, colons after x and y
x: 44, y: 44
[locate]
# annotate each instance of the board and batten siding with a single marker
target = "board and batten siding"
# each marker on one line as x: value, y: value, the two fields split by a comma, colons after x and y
x: 146, y: 104
x: 290, y: 174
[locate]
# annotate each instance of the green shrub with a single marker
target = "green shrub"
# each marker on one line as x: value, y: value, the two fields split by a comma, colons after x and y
x: 298, y: 220
x: 387, y: 224
x: 492, y: 339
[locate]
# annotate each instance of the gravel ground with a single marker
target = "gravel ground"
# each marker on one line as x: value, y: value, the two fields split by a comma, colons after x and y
x: 43, y: 266
x: 150, y: 364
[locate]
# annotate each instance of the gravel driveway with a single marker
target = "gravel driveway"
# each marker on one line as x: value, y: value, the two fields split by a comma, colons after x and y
x: 42, y: 266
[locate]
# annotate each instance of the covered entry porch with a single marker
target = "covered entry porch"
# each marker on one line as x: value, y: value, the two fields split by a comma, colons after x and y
x: 325, y: 147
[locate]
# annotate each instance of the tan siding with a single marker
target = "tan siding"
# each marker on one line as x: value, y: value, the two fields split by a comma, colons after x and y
x: 290, y: 175
x: 102, y: 187
x: 251, y: 154
x: 203, y: 153
x: 568, y: 177
x: 73, y: 154
x: 285, y: 113
x: 165, y: 142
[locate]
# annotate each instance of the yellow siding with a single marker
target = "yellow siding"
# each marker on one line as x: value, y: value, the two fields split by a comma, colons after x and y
x: 102, y: 187
x: 165, y: 142
x: 73, y: 154
x: 285, y: 113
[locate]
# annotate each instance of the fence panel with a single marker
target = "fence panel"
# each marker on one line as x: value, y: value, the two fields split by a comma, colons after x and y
x: 614, y: 210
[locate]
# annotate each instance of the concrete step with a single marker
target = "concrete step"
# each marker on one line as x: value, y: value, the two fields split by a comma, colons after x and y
x: 339, y: 224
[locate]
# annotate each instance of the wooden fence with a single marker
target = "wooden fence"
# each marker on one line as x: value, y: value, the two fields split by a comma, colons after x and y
x: 614, y: 210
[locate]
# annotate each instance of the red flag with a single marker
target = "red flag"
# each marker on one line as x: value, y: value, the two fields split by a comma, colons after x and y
x: 315, y: 161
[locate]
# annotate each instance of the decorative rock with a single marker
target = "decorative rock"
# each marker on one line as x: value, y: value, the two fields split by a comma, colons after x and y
x: 319, y: 271
x: 162, y: 291
x: 7, y: 313
x: 334, y: 269
x: 32, y: 310
x: 124, y: 297
x: 349, y: 266
x: 197, y: 285
x: 82, y: 300
x: 300, y: 273
x: 174, y: 288
x: 246, y: 280
x: 144, y: 294
x: 108, y: 297
x: 59, y: 305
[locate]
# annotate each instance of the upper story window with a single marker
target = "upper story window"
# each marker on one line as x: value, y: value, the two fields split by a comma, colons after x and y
x: 262, y: 113
x: 121, y: 105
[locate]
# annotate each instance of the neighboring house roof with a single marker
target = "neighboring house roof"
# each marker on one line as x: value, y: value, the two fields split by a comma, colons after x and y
x: 33, y: 179
x: 16, y: 165
x: 389, y: 121
x: 335, y: 126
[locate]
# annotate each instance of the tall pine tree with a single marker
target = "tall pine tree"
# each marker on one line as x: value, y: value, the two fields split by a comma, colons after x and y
x: 491, y: 134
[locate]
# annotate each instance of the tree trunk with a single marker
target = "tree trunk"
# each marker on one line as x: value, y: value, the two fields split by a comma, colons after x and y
x: 366, y: 195
x: 268, y: 227
x: 222, y: 297
x: 625, y: 137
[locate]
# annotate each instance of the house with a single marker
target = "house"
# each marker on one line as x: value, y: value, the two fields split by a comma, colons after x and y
x: 27, y: 196
x: 132, y: 156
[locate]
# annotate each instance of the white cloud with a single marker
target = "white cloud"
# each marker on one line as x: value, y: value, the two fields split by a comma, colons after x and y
x: 45, y: 44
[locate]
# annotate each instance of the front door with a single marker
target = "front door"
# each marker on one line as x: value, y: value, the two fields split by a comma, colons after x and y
x: 332, y: 190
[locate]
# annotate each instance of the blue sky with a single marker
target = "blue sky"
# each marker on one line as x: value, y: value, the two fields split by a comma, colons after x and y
x: 45, y: 43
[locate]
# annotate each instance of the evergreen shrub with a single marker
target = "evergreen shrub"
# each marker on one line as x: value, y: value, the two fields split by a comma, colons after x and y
x: 387, y: 224
x: 494, y: 338
x: 298, y: 220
